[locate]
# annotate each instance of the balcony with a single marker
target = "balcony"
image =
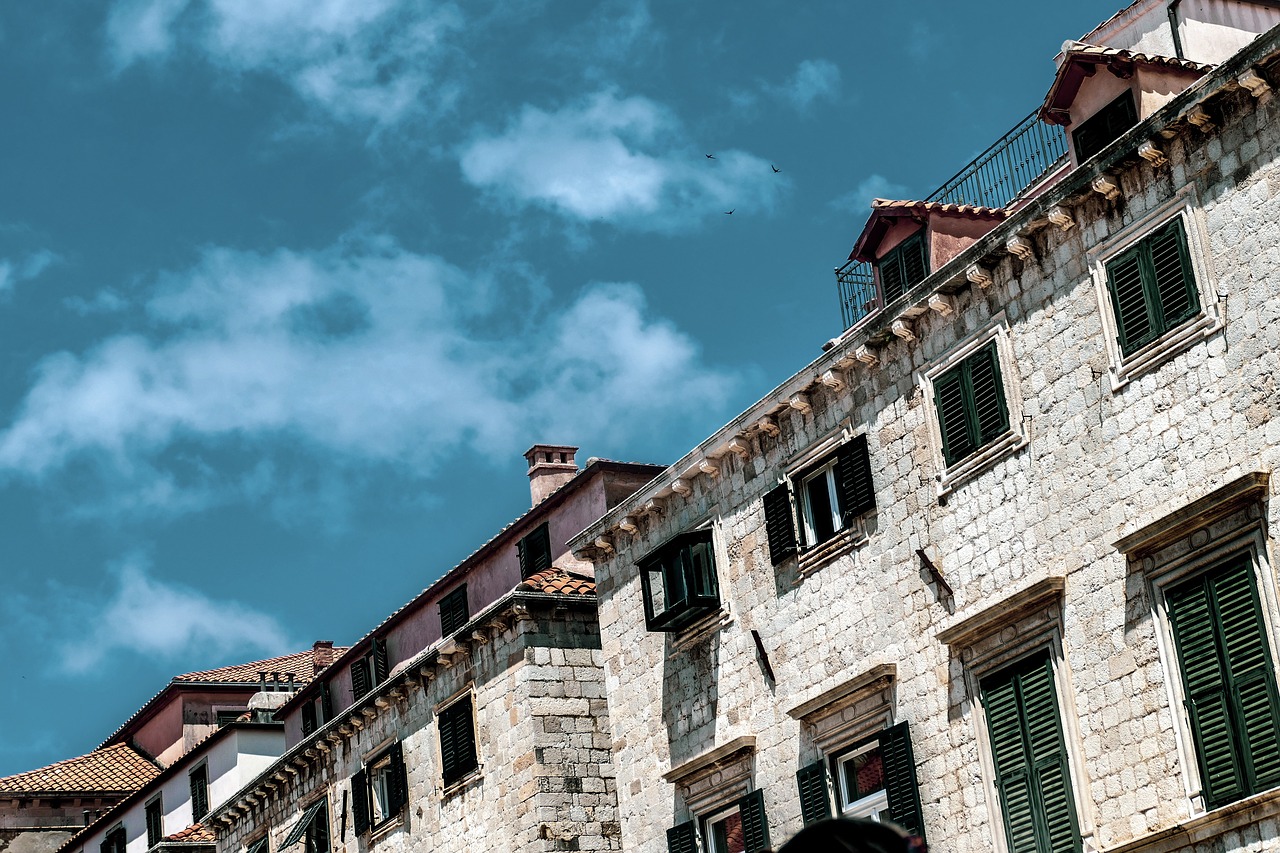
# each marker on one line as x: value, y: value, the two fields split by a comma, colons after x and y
x: 999, y: 177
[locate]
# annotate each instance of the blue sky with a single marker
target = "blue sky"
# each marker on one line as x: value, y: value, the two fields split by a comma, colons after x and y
x: 287, y: 287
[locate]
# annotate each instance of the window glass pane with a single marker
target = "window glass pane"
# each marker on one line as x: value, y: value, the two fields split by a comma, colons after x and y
x: 673, y: 577
x: 818, y: 494
x: 655, y: 589
x: 727, y: 835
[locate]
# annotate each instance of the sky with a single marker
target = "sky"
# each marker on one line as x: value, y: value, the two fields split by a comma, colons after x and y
x: 287, y: 287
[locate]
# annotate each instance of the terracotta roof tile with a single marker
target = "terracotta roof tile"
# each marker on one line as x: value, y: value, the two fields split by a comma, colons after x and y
x: 194, y: 834
x: 1078, y: 60
x: 301, y: 665
x: 558, y: 582
x: 115, y: 769
x: 940, y: 207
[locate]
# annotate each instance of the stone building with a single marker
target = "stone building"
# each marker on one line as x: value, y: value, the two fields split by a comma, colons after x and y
x: 473, y: 718
x: 999, y: 564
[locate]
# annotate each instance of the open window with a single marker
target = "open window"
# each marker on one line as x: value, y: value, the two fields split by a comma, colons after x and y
x: 380, y: 790
x: 679, y: 582
x: 873, y: 778
x: 826, y: 498
x: 739, y: 828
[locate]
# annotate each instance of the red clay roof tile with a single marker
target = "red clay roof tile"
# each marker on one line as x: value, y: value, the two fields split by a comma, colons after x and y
x: 194, y: 834
x: 558, y: 582
x: 116, y: 769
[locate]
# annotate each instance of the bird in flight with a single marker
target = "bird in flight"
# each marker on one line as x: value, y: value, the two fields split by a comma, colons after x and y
x: 775, y: 168
x: 729, y: 212
x: 711, y: 156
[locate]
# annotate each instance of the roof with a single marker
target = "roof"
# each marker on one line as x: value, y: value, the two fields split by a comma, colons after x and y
x: 114, y: 769
x: 555, y: 581
x: 1078, y: 61
x: 195, y: 834
x: 884, y: 209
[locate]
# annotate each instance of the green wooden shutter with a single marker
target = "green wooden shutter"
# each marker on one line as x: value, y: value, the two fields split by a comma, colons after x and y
x: 953, y: 418
x: 1133, y: 319
x: 900, y: 779
x: 915, y: 264
x: 381, y: 662
x: 1174, y: 283
x: 454, y: 612
x: 779, y: 524
x: 360, y: 678
x: 1051, y: 780
x: 303, y: 824
x: 755, y: 826
x: 683, y: 838
x: 397, y: 781
x: 318, y: 830
x: 858, y: 492
x: 892, y: 277
x: 991, y: 413
x: 360, y: 801
x: 815, y: 803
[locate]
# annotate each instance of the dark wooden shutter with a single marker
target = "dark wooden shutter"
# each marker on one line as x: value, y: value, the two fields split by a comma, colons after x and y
x: 397, y: 781
x: 755, y: 826
x: 199, y: 792
x: 326, y: 701
x: 683, y: 838
x: 308, y: 718
x: 155, y: 823
x: 900, y: 779
x: 991, y: 414
x: 360, y: 678
x: 457, y: 741
x: 535, y: 551
x: 858, y: 494
x: 381, y: 662
x: 360, y: 795
x: 1133, y: 320
x: 1174, y: 283
x: 815, y: 803
x: 1105, y: 126
x: 892, y: 282
x: 454, y: 612
x: 915, y: 266
x: 953, y: 419
x: 779, y: 524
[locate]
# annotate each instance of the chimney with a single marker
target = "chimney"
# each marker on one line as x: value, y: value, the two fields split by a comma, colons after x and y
x: 321, y: 655
x: 550, y: 467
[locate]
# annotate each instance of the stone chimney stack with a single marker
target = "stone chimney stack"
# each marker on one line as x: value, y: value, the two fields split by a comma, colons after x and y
x: 321, y: 655
x: 550, y: 467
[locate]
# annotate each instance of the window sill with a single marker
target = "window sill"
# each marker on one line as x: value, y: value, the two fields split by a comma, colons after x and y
x: 1206, y: 825
x: 1163, y: 349
x: 455, y: 788
x: 812, y: 559
x: 382, y: 830
x: 973, y: 465
x: 693, y: 634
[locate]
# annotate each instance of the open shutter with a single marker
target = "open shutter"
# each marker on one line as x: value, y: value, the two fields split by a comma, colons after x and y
x: 900, y: 779
x: 953, y: 420
x: 779, y: 524
x: 360, y: 801
x: 755, y: 826
x: 381, y: 664
x: 397, y: 783
x: 990, y: 412
x: 1133, y: 320
x: 683, y: 838
x: 326, y: 701
x: 360, y: 678
x: 915, y: 266
x: 815, y: 803
x: 303, y: 824
x: 308, y: 718
x: 1174, y: 282
x: 858, y: 493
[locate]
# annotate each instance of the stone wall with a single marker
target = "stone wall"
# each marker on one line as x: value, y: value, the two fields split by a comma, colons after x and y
x: 1101, y: 459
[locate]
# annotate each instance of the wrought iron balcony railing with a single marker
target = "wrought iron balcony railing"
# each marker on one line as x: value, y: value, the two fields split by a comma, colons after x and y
x: 858, y: 296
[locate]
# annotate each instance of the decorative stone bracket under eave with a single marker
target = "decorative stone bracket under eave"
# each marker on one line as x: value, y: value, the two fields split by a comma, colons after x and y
x: 1004, y: 612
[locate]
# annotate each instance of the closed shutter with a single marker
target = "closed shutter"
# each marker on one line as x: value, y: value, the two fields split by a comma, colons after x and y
x: 457, y: 741
x: 360, y: 678
x: 1174, y: 282
x: 326, y: 701
x: 953, y: 420
x: 397, y: 783
x: 453, y: 611
x: 914, y: 263
x: 858, y: 493
x: 308, y: 718
x: 360, y: 801
x: 381, y: 664
x: 683, y: 838
x: 1133, y: 321
x: 900, y: 779
x: 990, y: 412
x: 755, y: 826
x: 1105, y: 126
x: 892, y: 283
x: 199, y: 792
x: 815, y: 802
x: 779, y: 524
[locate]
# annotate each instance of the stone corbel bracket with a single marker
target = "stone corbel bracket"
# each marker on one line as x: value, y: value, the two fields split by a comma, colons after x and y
x: 1107, y: 187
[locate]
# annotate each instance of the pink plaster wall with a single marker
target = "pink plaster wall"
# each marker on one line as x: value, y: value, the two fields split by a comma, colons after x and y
x: 951, y: 235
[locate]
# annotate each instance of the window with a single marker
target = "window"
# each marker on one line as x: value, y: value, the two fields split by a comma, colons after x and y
x: 1104, y: 127
x: 1152, y: 287
x: 679, y: 582
x: 318, y: 711
x: 535, y: 551
x: 309, y: 721
x: 262, y: 845
x: 903, y: 267
x: 155, y: 822
x: 457, y: 741
x: 369, y: 671
x: 313, y: 826
x: 971, y: 406
x: 830, y: 496
x: 380, y: 790
x: 1033, y: 781
x: 225, y: 717
x: 1228, y: 680
x: 453, y: 611
x: 114, y: 842
x: 741, y: 828
x: 199, y: 779
x: 875, y: 778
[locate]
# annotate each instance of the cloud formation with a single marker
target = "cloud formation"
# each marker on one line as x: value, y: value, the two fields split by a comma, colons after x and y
x: 357, y: 60
x: 14, y: 272
x: 814, y: 80
x: 360, y: 354
x: 615, y: 159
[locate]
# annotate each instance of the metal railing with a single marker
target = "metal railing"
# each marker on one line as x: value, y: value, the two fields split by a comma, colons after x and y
x: 1001, y: 173
x: 858, y: 296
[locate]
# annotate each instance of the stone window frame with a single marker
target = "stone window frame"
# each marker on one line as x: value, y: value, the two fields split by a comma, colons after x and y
x: 951, y: 477
x: 714, y: 782
x: 1020, y: 626
x: 845, y: 540
x: 1185, y: 204
x: 1180, y: 545
x: 371, y: 761
x: 467, y: 779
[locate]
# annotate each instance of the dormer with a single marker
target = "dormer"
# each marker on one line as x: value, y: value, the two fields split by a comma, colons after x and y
x: 1099, y: 93
x: 907, y: 240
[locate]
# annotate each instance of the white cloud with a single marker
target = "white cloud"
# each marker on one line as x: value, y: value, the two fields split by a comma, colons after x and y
x: 814, y: 80
x: 362, y: 354
x: 151, y: 618
x: 618, y: 160
x: 13, y: 273
x: 858, y: 200
x: 357, y: 60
